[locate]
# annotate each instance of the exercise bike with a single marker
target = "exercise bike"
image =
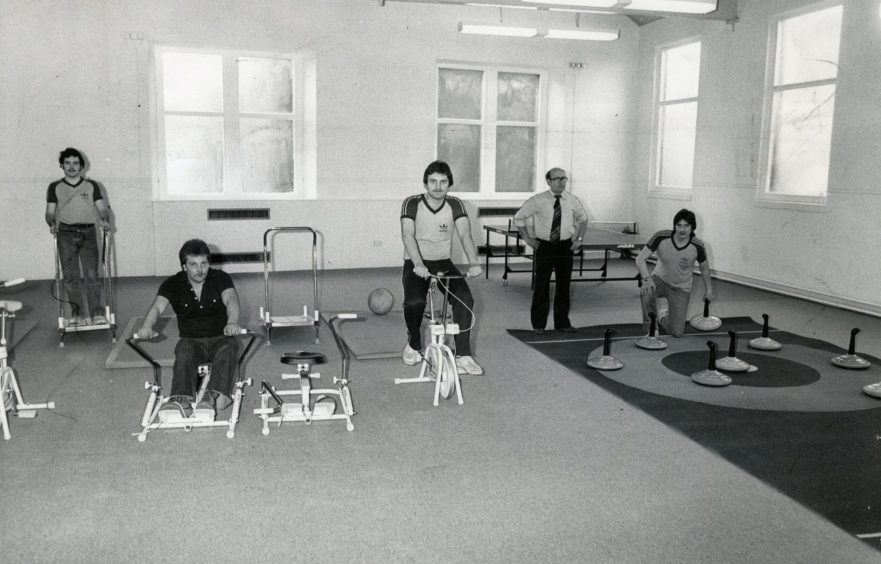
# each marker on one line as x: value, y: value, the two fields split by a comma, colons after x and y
x: 314, y: 404
x: 10, y: 392
x: 438, y: 360
x: 150, y: 420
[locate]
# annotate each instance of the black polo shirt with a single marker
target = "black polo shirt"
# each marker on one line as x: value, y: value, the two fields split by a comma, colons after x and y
x: 198, y: 318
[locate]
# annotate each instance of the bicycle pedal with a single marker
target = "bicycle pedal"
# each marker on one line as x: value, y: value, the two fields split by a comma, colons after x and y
x: 27, y: 413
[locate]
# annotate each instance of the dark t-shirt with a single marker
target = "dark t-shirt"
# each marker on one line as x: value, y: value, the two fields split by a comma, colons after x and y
x: 198, y: 318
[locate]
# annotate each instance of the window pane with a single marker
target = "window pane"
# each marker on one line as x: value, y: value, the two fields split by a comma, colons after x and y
x: 807, y: 47
x: 267, y: 155
x: 194, y: 154
x: 459, y: 146
x: 459, y: 93
x: 515, y: 159
x: 676, y: 144
x: 517, y: 97
x: 680, y: 71
x: 801, y: 140
x: 192, y: 82
x: 265, y: 85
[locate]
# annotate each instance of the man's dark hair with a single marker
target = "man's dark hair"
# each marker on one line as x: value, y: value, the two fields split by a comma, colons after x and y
x: 688, y: 217
x: 71, y: 152
x: 437, y: 166
x: 194, y: 248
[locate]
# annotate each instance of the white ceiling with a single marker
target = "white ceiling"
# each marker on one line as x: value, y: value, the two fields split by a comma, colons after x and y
x: 726, y: 10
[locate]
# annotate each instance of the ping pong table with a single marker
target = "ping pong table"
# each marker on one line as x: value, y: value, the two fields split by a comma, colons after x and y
x: 613, y: 238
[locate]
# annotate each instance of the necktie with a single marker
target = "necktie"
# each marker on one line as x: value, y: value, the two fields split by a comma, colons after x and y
x: 558, y: 219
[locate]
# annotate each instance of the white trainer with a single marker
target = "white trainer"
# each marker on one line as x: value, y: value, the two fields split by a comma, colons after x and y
x: 411, y: 356
x: 468, y: 365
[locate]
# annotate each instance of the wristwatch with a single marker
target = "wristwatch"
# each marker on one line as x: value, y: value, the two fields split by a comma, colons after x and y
x: 579, y: 238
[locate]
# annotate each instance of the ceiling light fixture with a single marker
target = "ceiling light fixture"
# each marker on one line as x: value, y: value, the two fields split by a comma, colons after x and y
x: 584, y: 34
x: 677, y: 6
x: 504, y: 6
x: 505, y: 30
x: 580, y: 3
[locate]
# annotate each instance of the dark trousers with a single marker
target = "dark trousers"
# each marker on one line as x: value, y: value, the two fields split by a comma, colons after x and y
x: 79, y: 245
x: 223, y: 354
x: 415, y: 289
x: 553, y: 258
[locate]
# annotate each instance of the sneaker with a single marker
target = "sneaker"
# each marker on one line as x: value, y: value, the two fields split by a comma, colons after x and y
x: 71, y: 321
x: 99, y: 319
x: 569, y: 329
x: 411, y: 356
x: 84, y: 320
x: 174, y: 410
x: 204, y: 409
x: 468, y: 365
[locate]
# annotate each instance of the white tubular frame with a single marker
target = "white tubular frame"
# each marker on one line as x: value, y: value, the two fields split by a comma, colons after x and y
x: 309, y: 401
x: 269, y: 321
x: 155, y: 401
x: 9, y: 387
x: 108, y: 272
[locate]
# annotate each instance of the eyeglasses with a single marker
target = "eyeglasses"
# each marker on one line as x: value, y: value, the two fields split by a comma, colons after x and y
x: 559, y: 179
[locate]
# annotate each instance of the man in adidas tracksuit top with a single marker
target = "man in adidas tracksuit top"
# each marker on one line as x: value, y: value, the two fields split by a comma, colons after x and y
x: 428, y: 223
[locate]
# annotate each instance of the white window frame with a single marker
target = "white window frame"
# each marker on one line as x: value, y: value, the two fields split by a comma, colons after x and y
x: 488, y: 124
x: 303, y: 118
x: 763, y: 194
x: 655, y: 186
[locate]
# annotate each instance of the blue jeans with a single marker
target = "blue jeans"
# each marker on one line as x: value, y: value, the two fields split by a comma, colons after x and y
x: 223, y: 354
x: 78, y: 244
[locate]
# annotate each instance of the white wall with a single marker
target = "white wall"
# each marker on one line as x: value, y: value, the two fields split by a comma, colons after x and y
x: 830, y: 254
x: 77, y: 73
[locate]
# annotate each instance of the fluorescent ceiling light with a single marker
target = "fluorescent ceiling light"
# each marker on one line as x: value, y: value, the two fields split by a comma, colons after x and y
x: 583, y: 3
x: 512, y: 6
x: 497, y: 30
x: 583, y: 34
x: 680, y: 6
x: 577, y: 11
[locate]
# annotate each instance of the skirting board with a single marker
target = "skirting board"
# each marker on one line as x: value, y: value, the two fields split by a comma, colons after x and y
x: 802, y: 293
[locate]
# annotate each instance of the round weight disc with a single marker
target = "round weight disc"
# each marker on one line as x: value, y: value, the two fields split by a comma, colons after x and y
x: 732, y: 364
x: 753, y: 368
x: 851, y: 361
x: 873, y: 390
x: 765, y: 344
x: 605, y: 362
x: 711, y: 378
x: 702, y: 323
x: 651, y: 343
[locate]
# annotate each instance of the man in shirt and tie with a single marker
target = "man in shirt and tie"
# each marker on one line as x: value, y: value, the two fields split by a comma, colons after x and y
x: 558, y: 222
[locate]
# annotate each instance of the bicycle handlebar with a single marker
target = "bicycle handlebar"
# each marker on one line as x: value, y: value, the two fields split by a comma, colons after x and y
x: 13, y: 282
x: 448, y: 276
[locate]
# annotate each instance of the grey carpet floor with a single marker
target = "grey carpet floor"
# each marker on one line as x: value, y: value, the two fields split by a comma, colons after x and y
x: 538, y: 465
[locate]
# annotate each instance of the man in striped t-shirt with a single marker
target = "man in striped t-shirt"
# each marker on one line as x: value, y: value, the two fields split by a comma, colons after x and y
x: 428, y: 223
x: 677, y: 251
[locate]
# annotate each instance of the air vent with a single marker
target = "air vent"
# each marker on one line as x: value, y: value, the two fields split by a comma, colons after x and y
x: 240, y: 213
x: 237, y: 258
x: 496, y: 212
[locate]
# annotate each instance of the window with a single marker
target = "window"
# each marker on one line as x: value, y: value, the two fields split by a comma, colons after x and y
x: 678, y: 78
x: 799, y: 104
x: 231, y: 125
x: 489, y: 128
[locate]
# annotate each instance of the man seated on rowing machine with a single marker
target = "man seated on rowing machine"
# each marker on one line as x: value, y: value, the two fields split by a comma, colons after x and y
x: 677, y: 251
x: 207, y: 308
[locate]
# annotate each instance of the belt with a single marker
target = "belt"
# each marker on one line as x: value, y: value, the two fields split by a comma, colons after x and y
x: 76, y: 225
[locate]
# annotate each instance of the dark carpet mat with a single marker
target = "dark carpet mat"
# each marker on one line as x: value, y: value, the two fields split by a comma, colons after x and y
x: 798, y: 423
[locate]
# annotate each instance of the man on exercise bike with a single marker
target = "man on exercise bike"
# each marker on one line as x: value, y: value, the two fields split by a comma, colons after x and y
x: 428, y: 222
x: 207, y: 308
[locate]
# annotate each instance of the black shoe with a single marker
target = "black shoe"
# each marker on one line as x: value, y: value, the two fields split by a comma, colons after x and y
x: 538, y: 330
x: 568, y: 330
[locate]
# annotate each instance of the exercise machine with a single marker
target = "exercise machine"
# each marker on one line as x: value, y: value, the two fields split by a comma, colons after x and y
x: 310, y: 404
x: 10, y: 392
x: 266, y: 317
x: 150, y: 421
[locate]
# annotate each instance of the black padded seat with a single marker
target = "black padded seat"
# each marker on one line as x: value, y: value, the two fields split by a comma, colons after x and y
x: 302, y: 356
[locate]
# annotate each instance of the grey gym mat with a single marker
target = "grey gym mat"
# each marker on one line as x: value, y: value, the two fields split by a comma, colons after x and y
x: 372, y: 336
x: 162, y: 349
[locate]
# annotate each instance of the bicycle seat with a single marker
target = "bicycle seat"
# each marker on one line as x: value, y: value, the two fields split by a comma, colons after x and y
x: 302, y: 356
x: 10, y: 305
